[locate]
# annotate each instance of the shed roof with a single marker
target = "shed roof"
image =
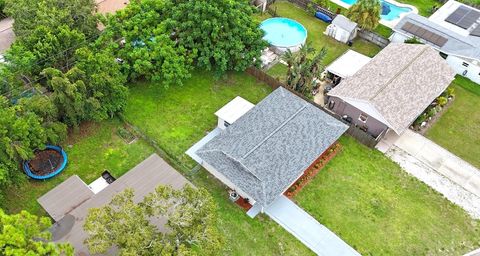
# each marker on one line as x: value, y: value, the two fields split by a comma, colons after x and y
x: 143, y: 179
x: 344, y: 23
x: 270, y: 146
x: 348, y: 64
x: 234, y: 109
x: 65, y: 197
x: 398, y: 84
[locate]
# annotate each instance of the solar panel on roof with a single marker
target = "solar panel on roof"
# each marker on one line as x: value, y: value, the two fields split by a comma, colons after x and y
x: 476, y: 31
x: 457, y: 15
x: 424, y: 34
x: 469, y: 19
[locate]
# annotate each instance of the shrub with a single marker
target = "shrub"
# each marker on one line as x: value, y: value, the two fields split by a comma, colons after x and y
x: 442, y: 101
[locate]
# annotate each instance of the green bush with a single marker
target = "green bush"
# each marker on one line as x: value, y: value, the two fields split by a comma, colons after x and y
x: 2, y: 6
x: 420, y: 119
x: 442, y: 101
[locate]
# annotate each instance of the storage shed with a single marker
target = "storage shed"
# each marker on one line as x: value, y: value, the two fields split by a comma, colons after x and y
x: 342, y: 29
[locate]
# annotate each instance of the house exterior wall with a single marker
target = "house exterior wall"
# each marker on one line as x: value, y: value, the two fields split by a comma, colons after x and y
x: 221, y: 124
x: 460, y: 66
x: 342, y: 108
x: 227, y: 182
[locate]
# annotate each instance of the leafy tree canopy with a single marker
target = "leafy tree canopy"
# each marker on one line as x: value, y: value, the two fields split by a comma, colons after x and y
x: 366, y: 13
x: 191, y: 222
x: 25, y: 234
x: 29, y: 15
x: 21, y: 132
x: 147, y: 49
x: 163, y: 38
x: 221, y: 34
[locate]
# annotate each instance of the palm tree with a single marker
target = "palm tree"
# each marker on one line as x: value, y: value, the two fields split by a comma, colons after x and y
x: 303, y: 68
x: 366, y: 13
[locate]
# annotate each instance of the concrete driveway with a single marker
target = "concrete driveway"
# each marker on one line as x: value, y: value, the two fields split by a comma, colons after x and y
x: 451, y: 176
x: 309, y: 231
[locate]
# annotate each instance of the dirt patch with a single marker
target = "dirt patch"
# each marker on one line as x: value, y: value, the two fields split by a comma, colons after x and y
x: 45, y: 162
x: 85, y: 129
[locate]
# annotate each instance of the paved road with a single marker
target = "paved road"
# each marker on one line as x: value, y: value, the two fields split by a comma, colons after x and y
x: 309, y: 231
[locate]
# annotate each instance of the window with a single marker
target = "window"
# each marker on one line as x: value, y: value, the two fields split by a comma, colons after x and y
x: 331, y: 104
x: 443, y: 55
x: 363, y: 118
x: 465, y: 64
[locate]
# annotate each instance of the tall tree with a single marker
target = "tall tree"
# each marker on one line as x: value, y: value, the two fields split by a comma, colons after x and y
x: 220, y: 34
x: 146, y: 49
x: 304, y: 67
x: 366, y: 13
x: 21, y: 133
x: 191, y: 222
x: 45, y: 47
x: 75, y: 14
x: 26, y: 234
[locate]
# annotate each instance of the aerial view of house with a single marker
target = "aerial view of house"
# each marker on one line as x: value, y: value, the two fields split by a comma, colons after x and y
x: 220, y: 127
x: 392, y: 89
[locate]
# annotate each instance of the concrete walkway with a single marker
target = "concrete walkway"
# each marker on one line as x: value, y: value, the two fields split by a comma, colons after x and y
x: 451, y: 176
x: 309, y: 231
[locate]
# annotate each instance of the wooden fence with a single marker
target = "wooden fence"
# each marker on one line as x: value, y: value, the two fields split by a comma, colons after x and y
x: 373, y: 38
x: 353, y: 131
x: 306, y: 3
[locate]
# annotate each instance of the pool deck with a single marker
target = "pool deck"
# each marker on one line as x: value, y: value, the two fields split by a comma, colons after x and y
x: 388, y: 23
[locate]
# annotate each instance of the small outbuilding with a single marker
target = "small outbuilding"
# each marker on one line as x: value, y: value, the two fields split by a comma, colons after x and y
x: 346, y: 65
x: 342, y: 29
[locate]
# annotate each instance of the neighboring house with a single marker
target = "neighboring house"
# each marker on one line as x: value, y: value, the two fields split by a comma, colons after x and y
x: 393, y: 89
x: 453, y: 30
x: 69, y: 202
x: 264, y: 151
x: 7, y: 36
x: 342, y: 29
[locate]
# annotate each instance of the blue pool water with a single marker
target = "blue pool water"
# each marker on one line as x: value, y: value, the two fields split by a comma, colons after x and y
x: 283, y: 32
x: 389, y: 11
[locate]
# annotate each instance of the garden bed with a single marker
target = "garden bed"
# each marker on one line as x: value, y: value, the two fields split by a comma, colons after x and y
x: 313, y: 170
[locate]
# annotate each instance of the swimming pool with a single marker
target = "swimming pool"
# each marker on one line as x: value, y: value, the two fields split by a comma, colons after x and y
x: 284, y: 33
x: 389, y: 11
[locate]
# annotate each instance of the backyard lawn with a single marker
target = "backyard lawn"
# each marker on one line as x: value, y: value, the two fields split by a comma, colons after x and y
x: 424, y: 6
x: 178, y: 117
x: 361, y: 195
x: 458, y: 129
x: 380, y: 210
x: 95, y: 147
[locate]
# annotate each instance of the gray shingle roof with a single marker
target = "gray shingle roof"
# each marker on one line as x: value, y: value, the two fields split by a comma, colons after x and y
x: 270, y: 146
x: 399, y: 83
x: 344, y: 23
x: 464, y: 46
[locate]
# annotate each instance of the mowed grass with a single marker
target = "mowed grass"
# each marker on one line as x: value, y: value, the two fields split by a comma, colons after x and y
x: 94, y: 148
x: 379, y: 209
x: 315, y: 30
x: 178, y: 117
x: 458, y: 129
x: 424, y: 6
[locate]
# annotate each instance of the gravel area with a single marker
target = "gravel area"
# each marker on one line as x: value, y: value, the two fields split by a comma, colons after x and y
x: 453, y: 192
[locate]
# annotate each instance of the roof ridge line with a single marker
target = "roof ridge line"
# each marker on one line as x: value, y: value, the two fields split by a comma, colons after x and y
x: 399, y: 72
x: 276, y: 130
x: 234, y: 159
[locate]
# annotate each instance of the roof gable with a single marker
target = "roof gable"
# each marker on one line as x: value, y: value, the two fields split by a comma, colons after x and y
x: 400, y: 82
x: 269, y: 147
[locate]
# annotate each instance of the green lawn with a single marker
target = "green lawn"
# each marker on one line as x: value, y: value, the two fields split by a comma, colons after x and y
x: 458, y: 129
x: 178, y: 117
x: 315, y: 29
x: 95, y: 147
x: 424, y: 6
x: 379, y: 209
